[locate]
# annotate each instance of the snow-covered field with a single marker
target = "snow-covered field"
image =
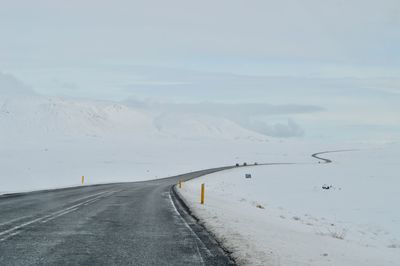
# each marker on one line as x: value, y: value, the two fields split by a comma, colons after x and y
x: 49, y: 142
x: 283, y: 216
x: 279, y: 216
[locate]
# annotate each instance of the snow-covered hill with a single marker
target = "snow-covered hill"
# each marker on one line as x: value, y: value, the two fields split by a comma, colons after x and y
x: 25, y: 116
x: 52, y: 141
x: 11, y: 86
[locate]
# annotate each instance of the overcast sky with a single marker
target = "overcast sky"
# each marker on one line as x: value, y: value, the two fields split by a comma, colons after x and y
x: 336, y: 37
x: 341, y: 56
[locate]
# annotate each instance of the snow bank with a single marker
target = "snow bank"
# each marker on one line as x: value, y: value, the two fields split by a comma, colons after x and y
x: 283, y: 216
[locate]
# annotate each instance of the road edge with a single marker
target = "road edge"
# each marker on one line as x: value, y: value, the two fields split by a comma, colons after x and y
x: 186, y: 212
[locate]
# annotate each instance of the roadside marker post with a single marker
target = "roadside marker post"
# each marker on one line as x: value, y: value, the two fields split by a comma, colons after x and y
x: 202, y: 193
x: 180, y: 183
x: 83, y: 179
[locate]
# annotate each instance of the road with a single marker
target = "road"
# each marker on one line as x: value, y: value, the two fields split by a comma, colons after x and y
x: 325, y: 160
x: 139, y: 223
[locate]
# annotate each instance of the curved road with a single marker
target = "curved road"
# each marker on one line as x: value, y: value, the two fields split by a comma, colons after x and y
x: 316, y: 155
x: 139, y: 223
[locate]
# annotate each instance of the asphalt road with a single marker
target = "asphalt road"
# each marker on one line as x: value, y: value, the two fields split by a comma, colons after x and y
x: 325, y: 160
x: 139, y: 223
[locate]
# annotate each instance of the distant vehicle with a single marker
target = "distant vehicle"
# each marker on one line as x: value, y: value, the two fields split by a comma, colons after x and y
x: 327, y: 187
x: 244, y: 164
x: 237, y: 165
x: 255, y: 163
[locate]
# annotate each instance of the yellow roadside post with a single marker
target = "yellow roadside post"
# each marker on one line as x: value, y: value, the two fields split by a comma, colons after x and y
x: 180, y: 183
x: 83, y: 179
x: 202, y: 193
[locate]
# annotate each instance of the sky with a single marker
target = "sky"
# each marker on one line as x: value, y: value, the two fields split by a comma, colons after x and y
x: 238, y: 36
x: 339, y: 56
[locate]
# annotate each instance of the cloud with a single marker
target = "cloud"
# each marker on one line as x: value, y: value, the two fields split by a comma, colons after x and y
x: 226, y: 109
x: 281, y: 129
x: 257, y: 117
x: 357, y: 31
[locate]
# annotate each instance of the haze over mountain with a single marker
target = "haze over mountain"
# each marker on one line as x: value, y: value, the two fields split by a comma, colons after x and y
x: 25, y: 112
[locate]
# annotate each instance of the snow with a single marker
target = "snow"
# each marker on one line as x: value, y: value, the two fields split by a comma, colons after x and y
x: 282, y: 216
x: 49, y: 142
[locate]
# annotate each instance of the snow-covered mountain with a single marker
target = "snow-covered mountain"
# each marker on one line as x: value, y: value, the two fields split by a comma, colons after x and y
x: 11, y: 86
x: 32, y: 115
x: 51, y: 141
x: 44, y: 116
